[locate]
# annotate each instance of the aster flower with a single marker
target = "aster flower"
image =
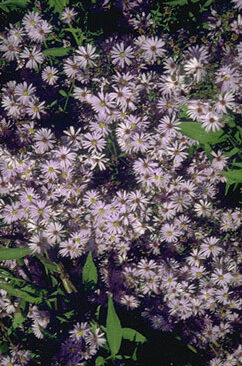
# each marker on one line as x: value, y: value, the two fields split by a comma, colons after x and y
x: 24, y: 92
x: 10, y: 47
x: 153, y: 47
x: 49, y: 75
x: 93, y: 141
x: 30, y: 20
x: 80, y: 331
x: 219, y: 160
x: 196, y: 68
x: 121, y: 56
x: 33, y: 56
x: 86, y: 56
x: 35, y: 108
x: 40, y: 31
x: 44, y: 140
x: 169, y: 233
x: 71, y: 68
x: 202, y: 208
x: 211, y: 122
x: 68, y: 15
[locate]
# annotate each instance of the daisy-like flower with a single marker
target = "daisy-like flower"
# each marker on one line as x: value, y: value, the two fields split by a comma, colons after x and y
x: 54, y: 232
x: 50, y: 169
x: 33, y: 56
x: 120, y: 96
x: 137, y: 200
x: 71, y: 67
x: 24, y: 92
x: 153, y: 47
x: 10, y: 47
x: 169, y: 233
x: 140, y: 141
x: 93, y: 141
x: 202, y: 208
x: 146, y: 268
x: 221, y: 278
x: 98, y: 160
x: 80, y: 331
x: 219, y: 161
x: 11, y: 106
x: 121, y: 56
x: 39, y: 33
x: 35, y: 107
x: 39, y: 210
x: 86, y: 56
x: 225, y: 101
x: 49, y: 75
x: 176, y: 151
x: 44, y: 140
x: 197, y: 109
x: 11, y: 213
x: 101, y: 104
x: 70, y: 249
x: 168, y: 124
x: 65, y: 156
x: 37, y: 243
x: 210, y: 247
x: 96, y: 338
x: 68, y: 15
x: 30, y: 20
x: 195, y: 68
x: 82, y: 94
x: 211, y: 122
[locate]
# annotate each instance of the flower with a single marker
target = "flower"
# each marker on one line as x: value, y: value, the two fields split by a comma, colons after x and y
x: 121, y: 56
x: 86, y: 56
x: 44, y: 140
x: 211, y: 122
x: 196, y: 68
x: 33, y: 56
x: 68, y: 15
x: 169, y: 233
x: 202, y: 208
x: 49, y: 75
x: 152, y: 48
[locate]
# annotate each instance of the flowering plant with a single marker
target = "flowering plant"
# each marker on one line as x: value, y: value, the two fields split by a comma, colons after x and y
x: 120, y: 203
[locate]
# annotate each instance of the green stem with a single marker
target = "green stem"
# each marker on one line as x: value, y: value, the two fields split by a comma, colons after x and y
x: 73, y: 32
x: 68, y: 96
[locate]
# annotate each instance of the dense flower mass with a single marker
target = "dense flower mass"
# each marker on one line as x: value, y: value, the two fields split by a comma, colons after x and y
x: 125, y: 182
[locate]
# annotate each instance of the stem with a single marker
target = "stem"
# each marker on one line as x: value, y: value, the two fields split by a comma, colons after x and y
x: 68, y: 96
x: 73, y: 32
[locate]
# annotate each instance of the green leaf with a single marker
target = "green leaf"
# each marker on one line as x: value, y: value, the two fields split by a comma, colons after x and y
x: 58, y: 5
x: 19, y: 293
x: 132, y: 335
x: 114, y: 329
x: 18, y: 320
x: 208, y: 3
x: 15, y: 3
x: 63, y: 93
x: 4, y: 347
x: 100, y: 361
x: 48, y: 264
x: 232, y: 152
x: 233, y: 175
x: 176, y: 2
x: 238, y: 164
x: 195, y: 131
x: 13, y: 253
x: 57, y: 51
x: 193, y: 349
x: 89, y: 272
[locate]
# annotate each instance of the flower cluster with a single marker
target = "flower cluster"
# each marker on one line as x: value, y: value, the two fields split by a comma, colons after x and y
x: 124, y: 183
